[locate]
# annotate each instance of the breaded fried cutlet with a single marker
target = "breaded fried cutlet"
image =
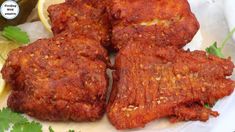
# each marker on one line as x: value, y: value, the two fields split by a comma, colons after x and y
x: 58, y: 79
x: 162, y: 82
x: 88, y: 17
x: 162, y: 22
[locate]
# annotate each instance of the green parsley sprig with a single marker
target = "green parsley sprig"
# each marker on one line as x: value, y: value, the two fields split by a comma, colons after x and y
x: 207, y: 106
x: 15, y: 122
x: 217, y: 51
x: 18, y: 122
x: 50, y: 129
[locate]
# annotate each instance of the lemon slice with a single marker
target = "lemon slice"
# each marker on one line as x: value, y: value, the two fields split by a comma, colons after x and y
x: 42, y: 11
x: 2, y: 82
x: 5, y: 47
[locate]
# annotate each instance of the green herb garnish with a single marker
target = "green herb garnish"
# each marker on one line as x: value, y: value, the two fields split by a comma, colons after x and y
x: 214, y: 50
x: 207, y: 106
x: 18, y: 122
x: 27, y: 127
x: 15, y: 34
x: 217, y: 51
x: 15, y: 122
x: 50, y: 129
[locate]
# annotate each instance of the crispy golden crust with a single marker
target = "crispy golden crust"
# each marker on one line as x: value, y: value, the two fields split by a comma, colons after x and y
x: 85, y: 16
x: 163, y: 22
x: 58, y: 79
x: 164, y: 81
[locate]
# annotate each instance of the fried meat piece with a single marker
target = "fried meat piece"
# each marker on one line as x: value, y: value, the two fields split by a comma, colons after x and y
x: 88, y: 17
x: 58, y: 79
x: 166, y: 82
x: 163, y: 22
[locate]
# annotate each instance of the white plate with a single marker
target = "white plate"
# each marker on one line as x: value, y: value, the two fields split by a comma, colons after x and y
x: 229, y: 10
x: 213, y: 27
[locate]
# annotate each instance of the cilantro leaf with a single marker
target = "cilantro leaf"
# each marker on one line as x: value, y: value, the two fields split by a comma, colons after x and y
x: 15, y: 122
x: 217, y: 51
x: 4, y: 125
x: 214, y: 50
x: 207, y: 106
x: 50, y: 129
x: 27, y: 127
x: 15, y: 34
x: 18, y: 122
x: 7, y: 117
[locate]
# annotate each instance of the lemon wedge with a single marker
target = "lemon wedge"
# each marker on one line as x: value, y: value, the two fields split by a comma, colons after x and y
x: 2, y: 82
x: 42, y: 11
x: 5, y: 47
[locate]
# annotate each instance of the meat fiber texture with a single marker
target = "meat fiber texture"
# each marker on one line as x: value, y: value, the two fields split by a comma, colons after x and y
x: 166, y: 82
x: 58, y: 79
x: 165, y: 23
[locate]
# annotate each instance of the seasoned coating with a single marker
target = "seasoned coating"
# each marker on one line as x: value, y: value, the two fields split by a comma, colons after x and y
x: 58, y: 79
x: 165, y: 82
x: 163, y: 22
x: 88, y: 17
